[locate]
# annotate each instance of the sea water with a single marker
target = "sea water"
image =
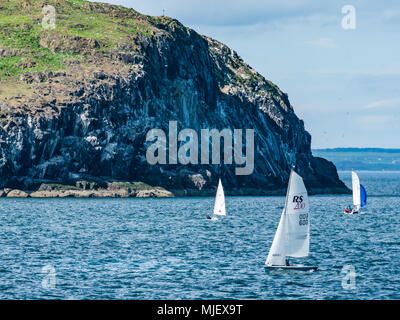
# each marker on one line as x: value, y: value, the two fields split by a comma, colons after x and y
x: 166, y: 249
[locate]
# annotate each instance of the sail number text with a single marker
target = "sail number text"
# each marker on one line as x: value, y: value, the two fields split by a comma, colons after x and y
x: 303, y: 219
x: 299, y: 202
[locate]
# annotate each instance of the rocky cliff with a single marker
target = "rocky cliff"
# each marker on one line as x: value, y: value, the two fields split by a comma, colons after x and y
x: 77, y: 101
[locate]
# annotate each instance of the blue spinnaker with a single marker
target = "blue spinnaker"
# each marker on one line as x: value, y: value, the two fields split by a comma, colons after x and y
x: 363, y: 195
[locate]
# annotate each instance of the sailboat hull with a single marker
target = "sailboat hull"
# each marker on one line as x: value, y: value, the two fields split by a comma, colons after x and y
x: 293, y: 267
x: 353, y: 212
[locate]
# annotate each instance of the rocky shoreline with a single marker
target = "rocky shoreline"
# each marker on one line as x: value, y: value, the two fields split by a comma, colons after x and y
x: 89, y: 190
x: 138, y: 190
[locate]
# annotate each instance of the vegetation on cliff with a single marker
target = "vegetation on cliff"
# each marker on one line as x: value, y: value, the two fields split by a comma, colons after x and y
x: 86, y: 29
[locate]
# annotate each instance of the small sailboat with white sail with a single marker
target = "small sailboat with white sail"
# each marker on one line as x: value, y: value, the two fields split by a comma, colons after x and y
x: 219, y: 204
x: 359, y: 195
x: 292, y: 238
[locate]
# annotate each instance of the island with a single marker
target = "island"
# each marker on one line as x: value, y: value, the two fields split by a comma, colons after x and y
x: 77, y: 100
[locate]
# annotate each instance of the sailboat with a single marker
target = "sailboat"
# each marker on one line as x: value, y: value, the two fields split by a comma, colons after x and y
x: 219, y: 205
x: 359, y: 194
x: 292, y: 238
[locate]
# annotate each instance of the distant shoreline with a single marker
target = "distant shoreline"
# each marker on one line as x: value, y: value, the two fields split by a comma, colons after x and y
x: 362, y: 159
x: 370, y: 171
x: 383, y: 150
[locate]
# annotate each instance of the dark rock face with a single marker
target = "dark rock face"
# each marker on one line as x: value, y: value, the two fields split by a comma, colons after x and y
x: 91, y: 123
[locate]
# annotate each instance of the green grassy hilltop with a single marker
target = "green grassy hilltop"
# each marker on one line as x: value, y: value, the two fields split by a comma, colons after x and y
x: 87, y: 29
x: 80, y: 28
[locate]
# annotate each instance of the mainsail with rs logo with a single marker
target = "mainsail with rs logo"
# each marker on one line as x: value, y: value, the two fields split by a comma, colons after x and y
x: 292, y: 238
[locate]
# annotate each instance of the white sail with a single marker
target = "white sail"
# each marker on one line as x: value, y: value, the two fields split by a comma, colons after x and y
x: 219, y: 205
x: 356, y: 190
x: 292, y: 237
x: 277, y: 253
x: 298, y: 215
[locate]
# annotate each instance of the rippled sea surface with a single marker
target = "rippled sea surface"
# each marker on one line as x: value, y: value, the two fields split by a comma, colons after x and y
x: 166, y: 249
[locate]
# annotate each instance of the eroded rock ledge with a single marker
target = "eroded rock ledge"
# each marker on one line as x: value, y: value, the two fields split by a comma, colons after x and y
x: 86, y: 189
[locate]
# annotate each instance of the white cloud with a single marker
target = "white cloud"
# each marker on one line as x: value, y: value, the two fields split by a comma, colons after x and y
x: 390, y: 15
x: 383, y: 104
x: 323, y: 42
x: 389, y: 71
x: 374, y: 119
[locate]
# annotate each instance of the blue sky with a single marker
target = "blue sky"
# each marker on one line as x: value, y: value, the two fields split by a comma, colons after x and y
x: 345, y: 84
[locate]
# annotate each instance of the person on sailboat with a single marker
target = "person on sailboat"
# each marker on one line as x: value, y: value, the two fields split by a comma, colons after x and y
x: 348, y: 209
x: 287, y: 262
x: 208, y: 216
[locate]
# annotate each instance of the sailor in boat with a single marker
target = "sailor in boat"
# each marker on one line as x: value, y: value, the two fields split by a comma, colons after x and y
x: 348, y: 209
x: 287, y: 262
